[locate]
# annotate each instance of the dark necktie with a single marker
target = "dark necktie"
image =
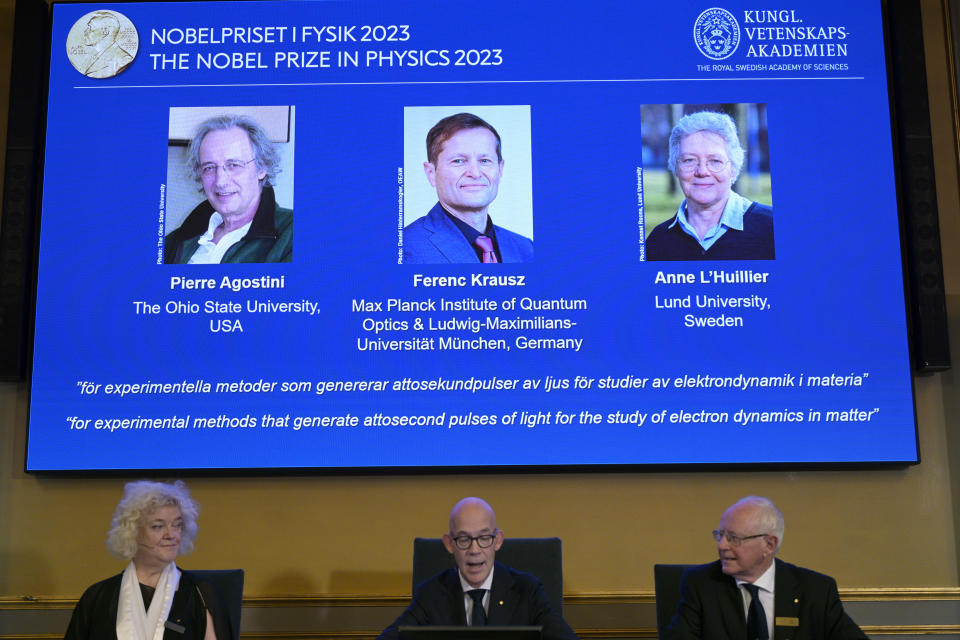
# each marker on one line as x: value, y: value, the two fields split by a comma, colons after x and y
x: 479, y: 617
x: 757, y: 618
x: 486, y: 246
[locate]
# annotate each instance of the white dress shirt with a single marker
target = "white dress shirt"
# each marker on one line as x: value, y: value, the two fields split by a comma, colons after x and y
x: 210, y: 252
x: 765, y: 583
x: 468, y: 601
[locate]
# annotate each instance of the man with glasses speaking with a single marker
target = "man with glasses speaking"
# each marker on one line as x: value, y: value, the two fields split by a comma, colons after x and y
x: 713, y: 221
x: 479, y: 591
x: 236, y: 164
x: 748, y: 595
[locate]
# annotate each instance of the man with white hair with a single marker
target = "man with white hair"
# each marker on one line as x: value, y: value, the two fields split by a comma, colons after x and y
x: 236, y: 165
x: 748, y: 594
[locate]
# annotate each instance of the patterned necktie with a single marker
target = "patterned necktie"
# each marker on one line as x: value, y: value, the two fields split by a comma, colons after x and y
x: 757, y: 618
x: 479, y: 617
x: 486, y: 245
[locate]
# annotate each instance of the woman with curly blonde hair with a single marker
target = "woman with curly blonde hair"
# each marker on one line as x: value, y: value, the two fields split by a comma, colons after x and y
x: 152, y: 599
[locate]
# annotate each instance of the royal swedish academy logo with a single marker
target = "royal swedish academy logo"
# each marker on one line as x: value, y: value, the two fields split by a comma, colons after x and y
x: 716, y: 33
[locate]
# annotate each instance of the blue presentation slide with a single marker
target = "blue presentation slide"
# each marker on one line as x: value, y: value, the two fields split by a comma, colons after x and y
x: 354, y: 234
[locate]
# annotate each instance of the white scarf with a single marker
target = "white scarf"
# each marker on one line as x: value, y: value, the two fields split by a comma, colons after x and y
x: 134, y: 622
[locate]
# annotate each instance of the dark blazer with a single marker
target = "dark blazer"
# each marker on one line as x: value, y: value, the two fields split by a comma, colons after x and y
x: 434, y: 239
x: 806, y: 607
x: 516, y: 598
x: 269, y: 238
x: 755, y: 242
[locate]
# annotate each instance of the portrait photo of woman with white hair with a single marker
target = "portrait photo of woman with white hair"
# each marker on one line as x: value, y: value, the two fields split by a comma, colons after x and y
x: 152, y: 599
x: 713, y: 222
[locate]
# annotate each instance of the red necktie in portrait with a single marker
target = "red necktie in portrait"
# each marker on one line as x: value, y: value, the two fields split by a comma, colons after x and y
x: 486, y: 245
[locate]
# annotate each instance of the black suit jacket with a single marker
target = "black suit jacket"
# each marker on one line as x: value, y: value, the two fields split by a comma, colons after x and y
x: 806, y: 607
x: 516, y: 598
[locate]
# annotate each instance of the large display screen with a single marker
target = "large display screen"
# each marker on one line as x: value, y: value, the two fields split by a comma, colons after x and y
x: 355, y: 234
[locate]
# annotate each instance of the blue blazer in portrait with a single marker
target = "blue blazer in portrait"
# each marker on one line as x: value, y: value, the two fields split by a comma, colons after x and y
x: 435, y: 239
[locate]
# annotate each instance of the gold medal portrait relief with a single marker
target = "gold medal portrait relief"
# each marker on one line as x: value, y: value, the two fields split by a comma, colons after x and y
x: 102, y: 43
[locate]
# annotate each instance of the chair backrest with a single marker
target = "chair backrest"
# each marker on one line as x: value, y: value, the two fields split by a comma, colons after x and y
x: 228, y: 584
x: 542, y: 557
x: 666, y: 586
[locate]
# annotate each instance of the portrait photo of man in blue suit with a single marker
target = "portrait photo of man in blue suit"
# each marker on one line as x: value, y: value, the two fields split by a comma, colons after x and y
x: 464, y: 164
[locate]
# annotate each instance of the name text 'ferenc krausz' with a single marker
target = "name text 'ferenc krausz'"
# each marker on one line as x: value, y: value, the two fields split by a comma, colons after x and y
x: 475, y: 280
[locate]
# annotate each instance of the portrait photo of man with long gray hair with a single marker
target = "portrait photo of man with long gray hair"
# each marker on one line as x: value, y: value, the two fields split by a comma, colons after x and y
x: 235, y: 163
